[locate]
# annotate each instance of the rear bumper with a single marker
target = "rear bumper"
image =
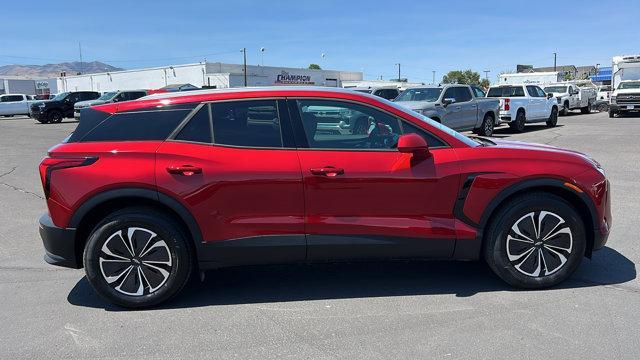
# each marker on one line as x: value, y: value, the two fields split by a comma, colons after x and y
x: 59, y: 244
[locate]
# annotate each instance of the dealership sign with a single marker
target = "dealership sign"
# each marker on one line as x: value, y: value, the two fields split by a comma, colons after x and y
x: 293, y: 79
x: 41, y: 85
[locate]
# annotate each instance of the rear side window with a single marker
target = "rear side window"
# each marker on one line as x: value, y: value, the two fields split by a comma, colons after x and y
x: 253, y: 123
x: 198, y: 129
x: 140, y: 125
x: 463, y: 94
x: 506, y: 91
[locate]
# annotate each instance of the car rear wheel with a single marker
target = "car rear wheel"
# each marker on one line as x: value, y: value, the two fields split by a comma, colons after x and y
x: 602, y: 107
x: 612, y: 113
x: 55, y: 116
x: 553, y: 118
x: 518, y: 124
x: 486, y: 129
x: 138, y: 257
x: 535, y: 241
x: 586, y: 109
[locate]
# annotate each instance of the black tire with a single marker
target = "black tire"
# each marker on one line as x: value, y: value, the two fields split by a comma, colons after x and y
x: 565, y: 109
x: 518, y: 124
x: 171, y: 258
x: 510, y: 256
x: 603, y: 107
x: 488, y: 124
x: 553, y: 118
x: 54, y: 116
x: 612, y: 113
x: 586, y: 109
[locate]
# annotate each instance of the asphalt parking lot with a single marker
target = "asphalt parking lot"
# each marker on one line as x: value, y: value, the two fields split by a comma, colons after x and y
x: 450, y: 310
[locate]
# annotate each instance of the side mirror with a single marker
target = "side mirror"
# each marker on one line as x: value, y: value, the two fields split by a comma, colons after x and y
x: 413, y: 144
x: 448, y: 101
x: 549, y: 95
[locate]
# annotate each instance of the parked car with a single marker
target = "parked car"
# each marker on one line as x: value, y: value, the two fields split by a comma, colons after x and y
x: 207, y: 179
x: 571, y: 97
x: 15, y: 104
x: 603, y: 98
x: 61, y: 106
x: 385, y: 92
x: 108, y: 97
x: 522, y: 104
x: 460, y: 107
x: 626, y: 98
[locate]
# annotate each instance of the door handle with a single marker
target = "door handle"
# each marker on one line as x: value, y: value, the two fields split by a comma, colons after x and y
x: 329, y: 171
x: 186, y: 170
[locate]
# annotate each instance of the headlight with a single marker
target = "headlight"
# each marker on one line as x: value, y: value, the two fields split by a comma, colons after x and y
x: 613, y: 99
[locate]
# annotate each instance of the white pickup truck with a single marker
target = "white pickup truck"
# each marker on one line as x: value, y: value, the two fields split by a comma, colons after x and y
x: 15, y: 104
x: 570, y: 97
x: 522, y: 104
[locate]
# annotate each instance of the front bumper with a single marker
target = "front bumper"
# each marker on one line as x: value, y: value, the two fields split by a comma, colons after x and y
x: 624, y: 107
x: 37, y: 113
x: 59, y: 244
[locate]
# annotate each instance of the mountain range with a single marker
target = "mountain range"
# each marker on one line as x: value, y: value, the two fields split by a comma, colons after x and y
x: 54, y: 70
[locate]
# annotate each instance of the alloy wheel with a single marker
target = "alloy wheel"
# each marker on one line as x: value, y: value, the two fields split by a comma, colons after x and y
x: 539, y: 243
x: 135, y: 261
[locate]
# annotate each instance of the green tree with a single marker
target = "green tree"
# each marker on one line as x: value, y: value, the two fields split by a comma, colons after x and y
x: 314, y: 67
x: 567, y: 76
x: 485, y: 83
x: 468, y: 77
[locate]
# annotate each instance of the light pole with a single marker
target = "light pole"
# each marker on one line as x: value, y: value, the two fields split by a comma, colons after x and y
x: 398, y: 65
x: 262, y: 50
x: 555, y: 57
x: 433, y: 79
x: 244, y: 66
x: 486, y: 74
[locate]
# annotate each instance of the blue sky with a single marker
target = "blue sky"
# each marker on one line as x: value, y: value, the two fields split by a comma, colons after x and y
x: 368, y: 36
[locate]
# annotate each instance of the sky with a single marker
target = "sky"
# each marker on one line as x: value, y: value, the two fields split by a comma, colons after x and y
x: 367, y: 36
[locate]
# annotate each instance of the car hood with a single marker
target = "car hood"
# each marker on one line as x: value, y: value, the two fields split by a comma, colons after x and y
x: 38, y: 102
x: 87, y: 103
x: 417, y: 105
x: 563, y: 94
x: 627, y: 91
x: 570, y: 155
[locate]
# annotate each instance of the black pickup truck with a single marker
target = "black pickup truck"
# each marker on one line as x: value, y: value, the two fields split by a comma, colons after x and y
x: 61, y: 106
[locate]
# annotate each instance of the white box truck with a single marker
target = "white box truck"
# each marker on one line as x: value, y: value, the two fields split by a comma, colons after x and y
x: 625, y: 82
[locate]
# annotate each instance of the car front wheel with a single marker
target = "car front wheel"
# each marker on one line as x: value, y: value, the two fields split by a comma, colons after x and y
x: 553, y: 118
x: 137, y: 257
x: 535, y: 241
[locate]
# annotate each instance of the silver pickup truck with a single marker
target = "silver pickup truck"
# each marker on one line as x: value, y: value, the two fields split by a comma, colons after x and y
x: 460, y: 107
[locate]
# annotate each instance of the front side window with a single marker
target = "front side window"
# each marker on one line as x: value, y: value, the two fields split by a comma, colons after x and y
x: 462, y: 94
x: 252, y: 123
x: 541, y: 92
x: 532, y: 91
x: 330, y: 124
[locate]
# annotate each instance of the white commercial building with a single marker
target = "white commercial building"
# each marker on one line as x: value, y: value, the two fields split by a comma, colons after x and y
x: 204, y: 74
x: 26, y: 85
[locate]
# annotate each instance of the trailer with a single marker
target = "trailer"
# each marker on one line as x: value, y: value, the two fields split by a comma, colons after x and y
x: 532, y: 78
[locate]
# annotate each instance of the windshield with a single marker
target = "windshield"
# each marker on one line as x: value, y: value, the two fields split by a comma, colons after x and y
x: 555, y: 89
x: 108, y: 95
x: 366, y: 91
x: 435, y: 124
x: 505, y: 91
x: 420, y: 94
x: 630, y: 85
x: 61, y: 96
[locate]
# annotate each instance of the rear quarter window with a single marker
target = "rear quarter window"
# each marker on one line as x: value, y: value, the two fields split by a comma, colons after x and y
x: 141, y: 125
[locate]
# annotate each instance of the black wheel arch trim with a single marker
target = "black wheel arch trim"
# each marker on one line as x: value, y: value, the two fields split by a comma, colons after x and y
x: 471, y: 249
x: 148, y: 194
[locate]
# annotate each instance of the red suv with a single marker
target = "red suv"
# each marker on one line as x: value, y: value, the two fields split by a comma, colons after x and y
x: 145, y: 192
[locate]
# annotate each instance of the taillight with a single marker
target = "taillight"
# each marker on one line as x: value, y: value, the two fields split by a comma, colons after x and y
x: 48, y: 165
x: 507, y: 106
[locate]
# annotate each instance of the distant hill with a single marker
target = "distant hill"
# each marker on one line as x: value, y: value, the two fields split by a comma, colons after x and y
x: 54, y: 70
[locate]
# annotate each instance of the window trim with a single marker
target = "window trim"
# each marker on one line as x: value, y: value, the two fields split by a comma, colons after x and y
x: 299, y: 127
x: 185, y: 121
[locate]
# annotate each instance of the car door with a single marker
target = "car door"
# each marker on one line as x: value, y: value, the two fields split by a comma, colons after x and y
x: 468, y: 108
x: 536, y: 105
x: 453, y: 112
x: 364, y: 199
x: 245, y: 188
x: 546, y: 103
